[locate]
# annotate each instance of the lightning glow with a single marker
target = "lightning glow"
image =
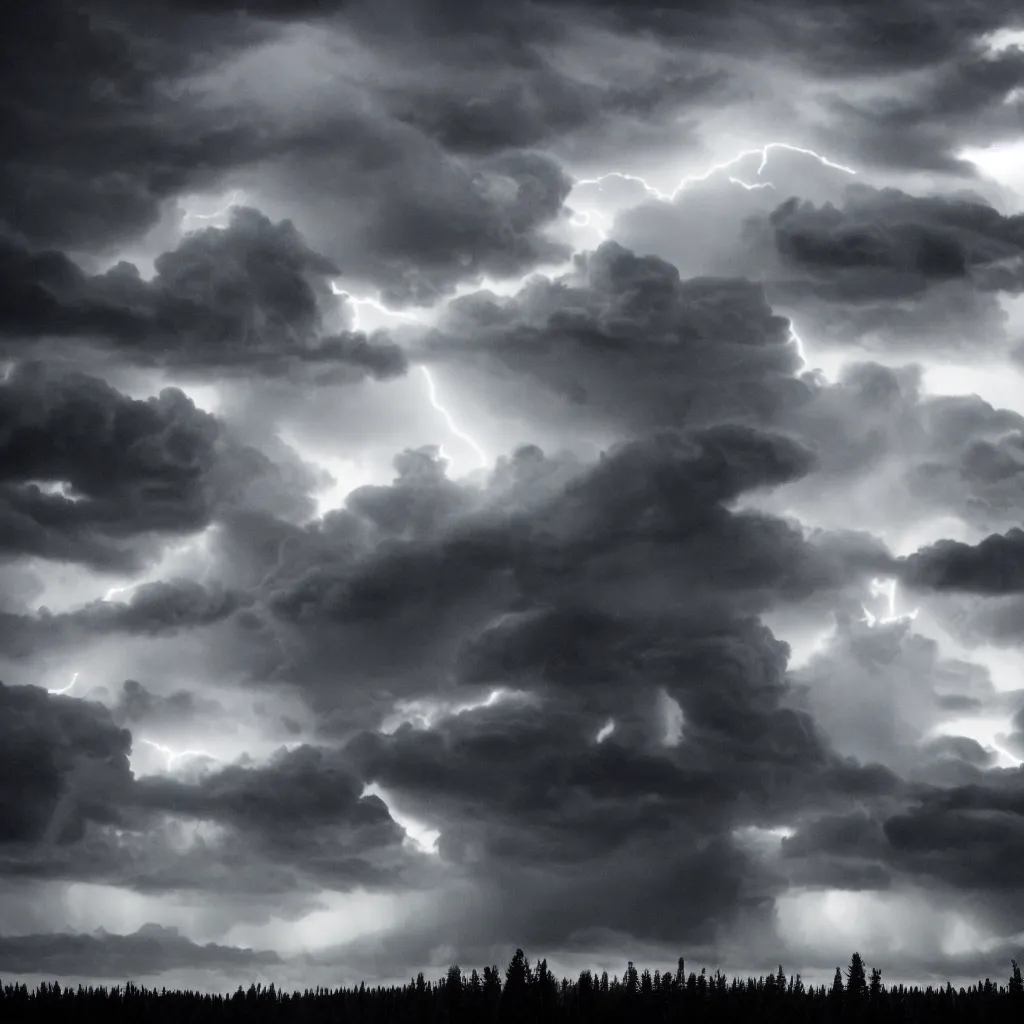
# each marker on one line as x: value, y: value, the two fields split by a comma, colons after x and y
x: 176, y: 755
x: 693, y: 179
x: 236, y: 197
x: 797, y: 343
x: 986, y: 731
x: 357, y: 303
x: 886, y: 588
x: 418, y: 835
x: 606, y: 730
x: 424, y: 714
x: 63, y: 690
x: 55, y: 488
x: 673, y: 718
x: 449, y: 420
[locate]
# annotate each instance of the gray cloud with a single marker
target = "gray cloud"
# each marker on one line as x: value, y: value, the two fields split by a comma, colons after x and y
x: 993, y: 566
x: 250, y: 296
x: 693, y: 350
x: 71, y: 761
x: 152, y: 609
x: 151, y: 949
x: 131, y: 469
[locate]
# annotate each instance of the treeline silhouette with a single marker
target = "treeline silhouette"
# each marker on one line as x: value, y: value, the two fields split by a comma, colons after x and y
x: 533, y: 995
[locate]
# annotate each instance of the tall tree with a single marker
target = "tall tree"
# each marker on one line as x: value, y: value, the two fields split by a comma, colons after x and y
x: 1016, y: 982
x: 876, y: 983
x: 856, y: 981
x: 835, y: 996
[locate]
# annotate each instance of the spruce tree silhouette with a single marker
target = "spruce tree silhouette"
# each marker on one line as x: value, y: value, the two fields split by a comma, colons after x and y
x: 1016, y: 982
x: 875, y: 990
x: 835, y: 996
x: 515, y: 995
x: 631, y: 980
x: 856, y: 982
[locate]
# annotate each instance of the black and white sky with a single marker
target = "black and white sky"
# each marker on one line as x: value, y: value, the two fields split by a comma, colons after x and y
x: 487, y: 474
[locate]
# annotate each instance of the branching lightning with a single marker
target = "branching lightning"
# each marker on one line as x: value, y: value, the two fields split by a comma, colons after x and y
x: 601, y: 222
x: 174, y: 755
x: 692, y: 179
x: 887, y: 589
x: 798, y: 343
x: 63, y: 690
x: 375, y: 304
x: 415, y: 318
x: 447, y: 416
x: 236, y: 197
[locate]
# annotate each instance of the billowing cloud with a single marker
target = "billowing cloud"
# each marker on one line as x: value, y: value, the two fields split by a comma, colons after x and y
x: 249, y: 296
x: 993, y: 566
x: 90, y: 475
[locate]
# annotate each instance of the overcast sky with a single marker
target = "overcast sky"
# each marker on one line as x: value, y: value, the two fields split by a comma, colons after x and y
x: 478, y: 475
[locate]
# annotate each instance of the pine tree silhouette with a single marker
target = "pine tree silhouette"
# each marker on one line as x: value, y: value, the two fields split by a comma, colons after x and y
x: 856, y: 982
x: 1016, y: 982
x: 836, y: 993
x: 876, y: 983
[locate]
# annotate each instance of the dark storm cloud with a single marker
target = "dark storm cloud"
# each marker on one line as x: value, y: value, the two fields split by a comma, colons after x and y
x: 993, y: 566
x: 967, y: 98
x: 690, y: 350
x: 136, y: 704
x: 834, y: 38
x: 901, y: 456
x: 77, y: 812
x: 530, y: 102
x: 968, y: 837
x: 250, y: 296
x: 63, y: 762
x: 657, y: 502
x: 885, y: 243
x: 879, y: 692
x: 132, y: 120
x: 303, y: 810
x: 413, y: 221
x: 152, y: 609
x: 707, y: 349
x: 708, y: 225
x: 152, y: 949
x: 523, y: 790
x: 132, y: 470
x: 101, y: 141
x: 855, y: 265
x: 645, y: 531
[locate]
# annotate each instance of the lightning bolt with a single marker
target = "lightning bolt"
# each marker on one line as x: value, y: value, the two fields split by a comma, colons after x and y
x: 453, y: 427
x: 174, y: 755
x: 375, y: 304
x: 447, y: 416
x: 61, y: 692
x: 236, y: 197
x: 886, y: 589
x: 601, y: 222
x: 798, y: 343
x: 692, y: 179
